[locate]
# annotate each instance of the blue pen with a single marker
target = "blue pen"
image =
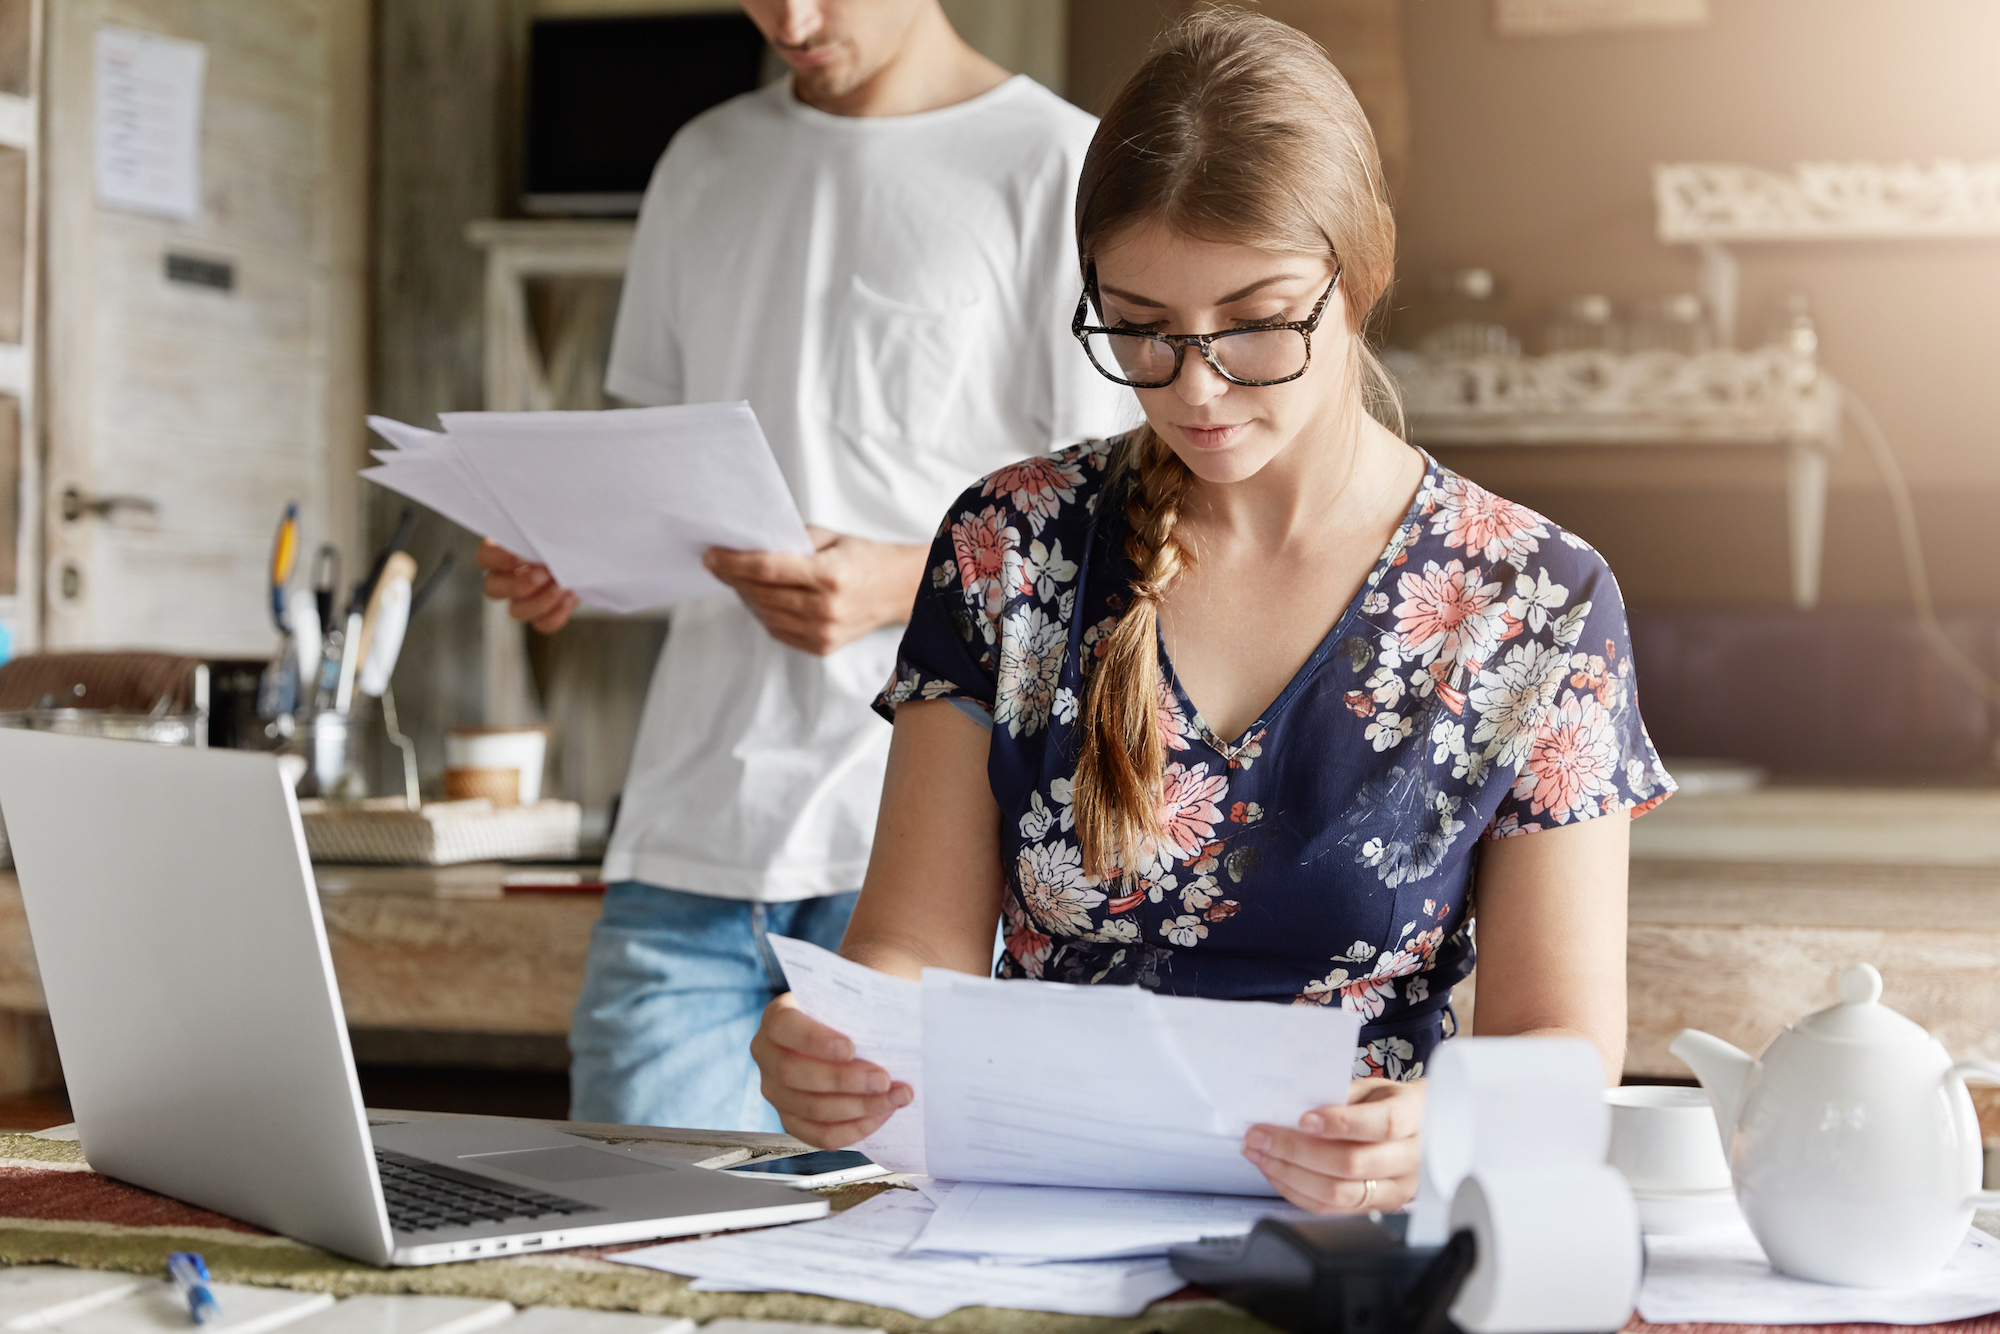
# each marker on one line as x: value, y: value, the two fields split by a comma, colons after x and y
x: 190, y: 1274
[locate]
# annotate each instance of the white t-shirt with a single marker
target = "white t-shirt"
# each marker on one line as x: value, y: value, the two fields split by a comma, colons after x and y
x: 893, y: 297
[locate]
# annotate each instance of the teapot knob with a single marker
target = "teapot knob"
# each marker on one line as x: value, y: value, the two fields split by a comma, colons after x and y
x: 1860, y: 984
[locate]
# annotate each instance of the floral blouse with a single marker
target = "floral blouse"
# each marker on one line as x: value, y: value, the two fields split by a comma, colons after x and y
x: 1479, y: 686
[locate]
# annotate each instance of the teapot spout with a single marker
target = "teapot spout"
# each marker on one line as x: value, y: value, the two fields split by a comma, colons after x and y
x: 1722, y: 1069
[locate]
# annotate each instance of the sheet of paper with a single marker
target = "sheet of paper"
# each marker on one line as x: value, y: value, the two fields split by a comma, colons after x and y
x: 405, y: 437
x: 622, y: 504
x: 879, y: 1015
x: 407, y: 1313
x: 858, y: 1256
x: 1054, y: 1223
x: 438, y: 481
x: 36, y: 1296
x: 1044, y: 1084
x: 158, y: 1305
x: 568, y: 1320
x: 148, y: 107
x: 1269, y: 1065
x: 1723, y: 1278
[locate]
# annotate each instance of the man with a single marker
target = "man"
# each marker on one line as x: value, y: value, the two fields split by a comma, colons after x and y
x: 877, y: 254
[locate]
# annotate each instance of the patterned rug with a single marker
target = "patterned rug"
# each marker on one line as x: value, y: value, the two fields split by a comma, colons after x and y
x: 55, y: 1210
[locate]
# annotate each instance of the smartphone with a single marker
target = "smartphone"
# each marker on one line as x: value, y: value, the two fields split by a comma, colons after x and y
x: 823, y: 1167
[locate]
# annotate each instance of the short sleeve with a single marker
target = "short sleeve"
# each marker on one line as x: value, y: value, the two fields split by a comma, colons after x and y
x: 645, y: 364
x: 1586, y: 752
x: 947, y: 650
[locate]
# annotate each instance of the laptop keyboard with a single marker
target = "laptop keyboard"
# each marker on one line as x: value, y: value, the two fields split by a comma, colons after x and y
x: 423, y: 1196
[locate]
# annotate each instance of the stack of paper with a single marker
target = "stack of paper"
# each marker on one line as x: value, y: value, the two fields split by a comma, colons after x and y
x: 1723, y: 1278
x: 1037, y: 1224
x: 862, y: 1256
x: 1044, y: 1084
x: 620, y: 505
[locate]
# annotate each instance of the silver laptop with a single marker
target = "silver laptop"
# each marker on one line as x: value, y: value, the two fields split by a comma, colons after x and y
x: 179, y: 938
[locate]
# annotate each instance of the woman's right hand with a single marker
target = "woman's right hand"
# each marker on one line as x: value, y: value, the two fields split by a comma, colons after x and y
x: 823, y: 1094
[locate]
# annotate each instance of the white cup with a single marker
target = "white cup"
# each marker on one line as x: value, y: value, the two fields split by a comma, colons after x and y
x: 1663, y: 1138
x: 522, y: 749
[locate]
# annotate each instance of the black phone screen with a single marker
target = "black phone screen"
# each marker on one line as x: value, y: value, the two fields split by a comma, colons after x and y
x: 818, y: 1163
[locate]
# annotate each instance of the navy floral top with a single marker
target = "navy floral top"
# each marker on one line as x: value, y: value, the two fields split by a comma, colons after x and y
x: 1479, y: 686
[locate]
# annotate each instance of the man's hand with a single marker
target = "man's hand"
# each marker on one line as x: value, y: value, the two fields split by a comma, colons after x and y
x: 823, y: 602
x: 530, y: 591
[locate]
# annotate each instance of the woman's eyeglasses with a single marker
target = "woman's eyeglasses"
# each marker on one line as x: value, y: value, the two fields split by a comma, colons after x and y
x: 1265, y: 355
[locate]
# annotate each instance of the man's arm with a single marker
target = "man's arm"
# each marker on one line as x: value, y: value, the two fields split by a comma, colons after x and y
x: 821, y: 603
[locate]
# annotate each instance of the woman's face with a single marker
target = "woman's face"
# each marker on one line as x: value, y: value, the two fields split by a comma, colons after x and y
x: 1157, y: 281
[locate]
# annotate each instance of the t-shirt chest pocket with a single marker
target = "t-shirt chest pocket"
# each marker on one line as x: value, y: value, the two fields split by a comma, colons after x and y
x: 897, y: 366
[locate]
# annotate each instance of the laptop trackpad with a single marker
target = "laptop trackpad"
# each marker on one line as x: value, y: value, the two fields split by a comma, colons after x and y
x: 574, y: 1163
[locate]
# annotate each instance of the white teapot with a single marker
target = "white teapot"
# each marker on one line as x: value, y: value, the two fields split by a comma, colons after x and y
x: 1853, y: 1144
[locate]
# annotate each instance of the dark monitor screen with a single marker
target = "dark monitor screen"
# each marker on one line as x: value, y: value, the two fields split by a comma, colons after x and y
x: 606, y: 94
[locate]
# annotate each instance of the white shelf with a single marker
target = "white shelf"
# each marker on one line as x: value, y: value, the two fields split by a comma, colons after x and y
x: 1766, y: 396
x: 1720, y: 202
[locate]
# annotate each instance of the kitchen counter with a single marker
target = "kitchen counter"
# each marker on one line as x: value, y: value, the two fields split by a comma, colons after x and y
x: 1743, y: 906
x: 449, y: 960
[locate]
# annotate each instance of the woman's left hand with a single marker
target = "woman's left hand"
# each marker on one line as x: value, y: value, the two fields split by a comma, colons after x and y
x: 1348, y: 1159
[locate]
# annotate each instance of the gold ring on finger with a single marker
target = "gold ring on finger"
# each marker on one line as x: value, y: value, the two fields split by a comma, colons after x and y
x: 1367, y: 1191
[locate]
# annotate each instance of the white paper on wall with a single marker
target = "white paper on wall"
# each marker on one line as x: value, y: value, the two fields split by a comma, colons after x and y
x: 148, y: 106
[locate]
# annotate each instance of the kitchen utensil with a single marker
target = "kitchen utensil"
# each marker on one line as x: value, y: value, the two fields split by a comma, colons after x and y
x: 350, y: 650
x: 399, y: 567
x: 1852, y: 1142
x: 413, y: 792
x: 393, y: 618
x: 284, y: 555
x: 399, y: 539
x: 308, y: 644
x: 384, y: 640
x: 329, y: 750
x: 326, y: 581
x: 432, y: 584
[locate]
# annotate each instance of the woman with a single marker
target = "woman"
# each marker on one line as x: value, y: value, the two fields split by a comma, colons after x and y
x: 1244, y: 703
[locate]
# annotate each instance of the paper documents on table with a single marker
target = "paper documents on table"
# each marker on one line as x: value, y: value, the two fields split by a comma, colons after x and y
x: 1046, y: 1084
x: 1055, y: 1223
x: 1723, y: 1278
x: 620, y: 505
x: 859, y: 1256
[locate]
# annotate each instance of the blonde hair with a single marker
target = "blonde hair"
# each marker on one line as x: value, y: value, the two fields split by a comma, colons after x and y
x: 1239, y: 129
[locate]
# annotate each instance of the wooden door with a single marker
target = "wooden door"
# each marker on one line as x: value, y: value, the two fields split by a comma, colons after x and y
x: 201, y: 373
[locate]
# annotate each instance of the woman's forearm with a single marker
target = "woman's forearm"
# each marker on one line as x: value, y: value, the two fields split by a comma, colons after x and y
x: 1551, y: 922
x: 932, y: 895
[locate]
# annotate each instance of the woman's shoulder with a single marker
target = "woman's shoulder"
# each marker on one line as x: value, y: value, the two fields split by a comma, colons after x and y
x: 1046, y: 498
x: 1455, y: 518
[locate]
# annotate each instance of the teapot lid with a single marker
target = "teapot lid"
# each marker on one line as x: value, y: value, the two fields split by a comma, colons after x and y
x: 1861, y: 1016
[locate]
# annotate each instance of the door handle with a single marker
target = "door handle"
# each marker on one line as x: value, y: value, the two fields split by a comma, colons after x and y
x: 76, y: 504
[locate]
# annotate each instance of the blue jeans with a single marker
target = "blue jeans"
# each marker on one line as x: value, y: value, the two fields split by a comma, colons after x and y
x: 672, y: 993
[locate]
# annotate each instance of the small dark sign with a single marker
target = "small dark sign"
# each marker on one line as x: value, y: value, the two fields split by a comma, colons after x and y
x: 215, y: 273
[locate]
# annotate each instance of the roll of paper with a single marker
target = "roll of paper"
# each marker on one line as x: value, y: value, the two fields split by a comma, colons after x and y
x: 1558, y: 1251
x: 1506, y: 1104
